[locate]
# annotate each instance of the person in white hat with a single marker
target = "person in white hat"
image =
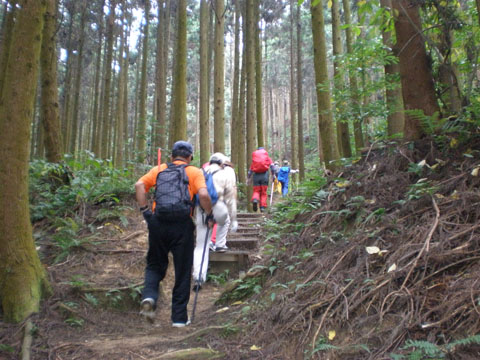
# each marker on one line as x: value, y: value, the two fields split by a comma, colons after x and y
x: 224, y: 213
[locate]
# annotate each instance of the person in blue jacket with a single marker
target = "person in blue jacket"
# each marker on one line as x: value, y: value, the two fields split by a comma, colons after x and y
x: 284, y: 175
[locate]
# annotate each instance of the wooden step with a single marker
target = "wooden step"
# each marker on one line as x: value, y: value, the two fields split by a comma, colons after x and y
x: 242, y: 243
x: 233, y: 260
x: 250, y: 216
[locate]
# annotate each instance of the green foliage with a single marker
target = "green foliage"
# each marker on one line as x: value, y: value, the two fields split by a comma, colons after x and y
x: 421, y: 349
x: 219, y: 279
x: 91, y: 299
x: 419, y: 189
x: 68, y: 188
x: 7, y: 348
x: 77, y: 282
x: 245, y: 288
x: 75, y: 322
x: 115, y: 297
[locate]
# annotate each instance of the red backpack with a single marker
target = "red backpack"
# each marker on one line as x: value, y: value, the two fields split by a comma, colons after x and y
x: 260, y: 161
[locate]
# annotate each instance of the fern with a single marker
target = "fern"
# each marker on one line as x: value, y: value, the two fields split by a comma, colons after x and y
x: 423, y: 347
x: 475, y: 339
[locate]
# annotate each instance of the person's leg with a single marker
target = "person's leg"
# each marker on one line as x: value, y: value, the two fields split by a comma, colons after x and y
x: 263, y: 181
x: 182, y: 250
x: 285, y: 188
x: 214, y: 234
x: 157, y: 259
x: 199, y: 244
x: 222, y: 231
x: 263, y: 196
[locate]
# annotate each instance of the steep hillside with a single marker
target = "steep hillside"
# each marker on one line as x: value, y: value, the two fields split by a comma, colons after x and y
x: 381, y: 263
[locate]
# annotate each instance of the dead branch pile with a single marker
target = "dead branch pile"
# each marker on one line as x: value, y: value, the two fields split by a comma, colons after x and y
x: 394, y: 256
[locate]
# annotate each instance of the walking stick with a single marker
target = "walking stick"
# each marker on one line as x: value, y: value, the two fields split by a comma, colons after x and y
x: 198, y: 281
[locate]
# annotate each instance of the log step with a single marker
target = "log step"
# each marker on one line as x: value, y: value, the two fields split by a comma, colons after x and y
x: 233, y: 260
x: 242, y: 243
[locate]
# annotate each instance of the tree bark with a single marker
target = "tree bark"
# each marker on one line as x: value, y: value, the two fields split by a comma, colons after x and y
x: 219, y: 78
x: 301, y: 151
x: 98, y: 62
x: 120, y: 110
x: 343, y: 132
x: 160, y: 78
x: 204, y: 96
x: 50, y: 106
x: 23, y: 280
x: 78, y: 82
x: 7, y: 29
x: 180, y: 76
x: 235, y: 121
x: 396, y: 116
x: 357, y: 123
x: 293, y: 108
x: 105, y: 146
x: 417, y: 82
x: 325, y: 119
x: 142, y: 117
x: 258, y: 76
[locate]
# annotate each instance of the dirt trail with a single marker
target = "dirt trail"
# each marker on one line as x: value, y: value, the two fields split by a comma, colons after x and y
x: 94, y: 313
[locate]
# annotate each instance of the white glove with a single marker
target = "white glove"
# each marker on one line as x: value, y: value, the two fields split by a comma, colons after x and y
x: 234, y: 226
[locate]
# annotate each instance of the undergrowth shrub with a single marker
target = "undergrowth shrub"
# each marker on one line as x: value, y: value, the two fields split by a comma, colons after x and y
x: 71, y: 196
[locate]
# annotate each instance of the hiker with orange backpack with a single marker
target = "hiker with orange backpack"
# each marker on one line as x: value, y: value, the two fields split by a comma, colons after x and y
x: 170, y: 228
x: 258, y: 172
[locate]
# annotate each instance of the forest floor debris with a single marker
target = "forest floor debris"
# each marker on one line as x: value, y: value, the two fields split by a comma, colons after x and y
x: 385, y: 266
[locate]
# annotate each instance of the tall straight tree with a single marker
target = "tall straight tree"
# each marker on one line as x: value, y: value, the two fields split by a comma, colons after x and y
x: 301, y: 150
x: 258, y: 76
x: 417, y: 82
x: 293, y: 108
x: 142, y: 116
x: 96, y: 100
x: 242, y: 125
x: 219, y: 78
x: 107, y: 84
x: 357, y: 124
x: 49, y: 109
x: 250, y: 77
x: 67, y: 86
x: 396, y: 116
x: 204, y: 98
x: 118, y: 149
x: 23, y: 280
x: 179, y: 107
x: 160, y: 77
x: 7, y: 29
x: 78, y: 81
x: 250, y: 83
x: 234, y: 128
x: 343, y: 133
x: 325, y: 119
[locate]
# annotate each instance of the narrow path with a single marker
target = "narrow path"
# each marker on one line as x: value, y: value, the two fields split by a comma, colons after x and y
x: 119, y: 332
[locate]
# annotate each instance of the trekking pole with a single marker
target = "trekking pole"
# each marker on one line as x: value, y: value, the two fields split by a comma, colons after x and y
x: 198, y: 281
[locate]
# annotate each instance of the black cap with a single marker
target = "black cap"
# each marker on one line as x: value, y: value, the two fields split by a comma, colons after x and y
x: 182, y: 145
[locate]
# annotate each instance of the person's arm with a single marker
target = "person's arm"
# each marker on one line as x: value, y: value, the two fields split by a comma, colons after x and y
x: 206, y: 204
x: 141, y: 194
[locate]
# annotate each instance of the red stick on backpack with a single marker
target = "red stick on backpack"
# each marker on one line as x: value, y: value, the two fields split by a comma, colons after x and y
x: 159, y: 156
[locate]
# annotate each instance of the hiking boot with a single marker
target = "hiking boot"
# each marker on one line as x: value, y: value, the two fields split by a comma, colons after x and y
x: 180, y: 324
x: 221, y: 249
x: 255, y: 205
x: 211, y: 246
x: 147, y: 310
x: 262, y: 209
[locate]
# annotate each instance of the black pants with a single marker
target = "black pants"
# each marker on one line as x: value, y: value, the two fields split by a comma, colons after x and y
x: 164, y: 237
